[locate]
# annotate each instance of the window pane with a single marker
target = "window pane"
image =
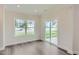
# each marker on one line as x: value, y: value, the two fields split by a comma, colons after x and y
x: 47, y: 33
x: 30, y: 23
x: 30, y: 27
x: 19, y: 27
x: 47, y: 23
x: 53, y: 32
x: 54, y: 29
x: 30, y: 31
x: 54, y: 24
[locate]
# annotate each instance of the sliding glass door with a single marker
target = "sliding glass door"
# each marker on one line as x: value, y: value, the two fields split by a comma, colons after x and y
x: 51, y: 31
x: 48, y: 31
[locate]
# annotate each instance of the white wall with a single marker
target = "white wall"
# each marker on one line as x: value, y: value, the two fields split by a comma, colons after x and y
x: 76, y: 30
x: 1, y: 27
x: 66, y: 29
x: 10, y: 38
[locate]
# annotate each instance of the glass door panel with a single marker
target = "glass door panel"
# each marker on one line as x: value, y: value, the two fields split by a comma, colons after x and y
x: 54, y: 32
x: 47, y: 31
x: 51, y: 31
x: 47, y: 34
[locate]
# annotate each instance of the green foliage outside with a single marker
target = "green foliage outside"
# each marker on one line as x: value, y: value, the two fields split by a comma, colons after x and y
x: 53, y: 34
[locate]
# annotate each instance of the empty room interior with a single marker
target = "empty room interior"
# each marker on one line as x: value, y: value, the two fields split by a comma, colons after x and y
x: 39, y: 29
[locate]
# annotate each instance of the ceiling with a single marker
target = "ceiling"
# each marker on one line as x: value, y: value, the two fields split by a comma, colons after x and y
x: 32, y: 8
x: 29, y: 9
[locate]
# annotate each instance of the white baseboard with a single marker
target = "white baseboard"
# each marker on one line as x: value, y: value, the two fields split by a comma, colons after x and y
x: 20, y: 42
x: 68, y: 50
x: 76, y: 52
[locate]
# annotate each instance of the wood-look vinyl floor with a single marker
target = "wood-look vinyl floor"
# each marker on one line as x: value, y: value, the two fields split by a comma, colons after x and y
x: 33, y: 48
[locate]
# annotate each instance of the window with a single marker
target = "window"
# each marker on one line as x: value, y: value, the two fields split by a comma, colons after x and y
x: 23, y: 27
x: 30, y: 27
x: 19, y: 27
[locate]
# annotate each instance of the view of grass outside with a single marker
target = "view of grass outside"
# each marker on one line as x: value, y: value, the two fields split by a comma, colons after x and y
x: 19, y: 32
x: 47, y: 33
x: 30, y: 31
x: 53, y: 33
